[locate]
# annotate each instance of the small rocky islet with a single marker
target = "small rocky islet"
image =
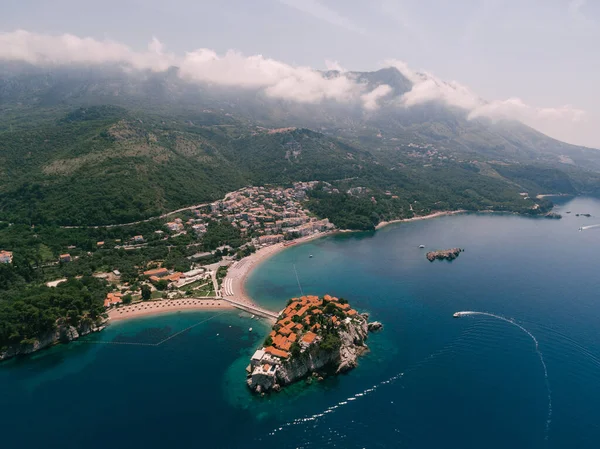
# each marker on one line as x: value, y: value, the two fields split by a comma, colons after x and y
x: 313, y: 336
x: 444, y: 254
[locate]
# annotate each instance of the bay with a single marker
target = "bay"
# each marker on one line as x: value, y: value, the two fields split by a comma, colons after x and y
x: 429, y: 381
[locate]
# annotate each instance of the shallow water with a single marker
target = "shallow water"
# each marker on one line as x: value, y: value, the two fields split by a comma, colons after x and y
x: 430, y: 381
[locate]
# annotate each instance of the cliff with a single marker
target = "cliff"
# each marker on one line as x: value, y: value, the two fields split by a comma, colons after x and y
x: 338, y: 360
x: 328, y: 339
x: 446, y: 254
x: 62, y: 334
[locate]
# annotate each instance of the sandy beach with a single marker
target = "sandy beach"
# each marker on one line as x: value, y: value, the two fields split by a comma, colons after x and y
x: 422, y: 217
x: 166, y: 306
x: 233, y: 284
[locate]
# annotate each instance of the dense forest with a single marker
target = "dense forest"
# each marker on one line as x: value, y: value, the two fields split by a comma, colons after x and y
x: 27, y: 313
x: 102, y: 165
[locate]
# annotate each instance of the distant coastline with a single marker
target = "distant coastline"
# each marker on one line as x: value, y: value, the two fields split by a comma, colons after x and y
x: 421, y: 217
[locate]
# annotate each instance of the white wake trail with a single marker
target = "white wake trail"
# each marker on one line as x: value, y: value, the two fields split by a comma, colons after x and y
x: 537, y: 349
x: 584, y: 228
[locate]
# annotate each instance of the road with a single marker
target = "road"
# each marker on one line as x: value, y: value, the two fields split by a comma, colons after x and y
x: 140, y: 221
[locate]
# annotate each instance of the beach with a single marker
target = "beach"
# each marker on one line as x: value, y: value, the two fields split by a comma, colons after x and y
x: 422, y: 217
x: 233, y: 284
x: 166, y: 306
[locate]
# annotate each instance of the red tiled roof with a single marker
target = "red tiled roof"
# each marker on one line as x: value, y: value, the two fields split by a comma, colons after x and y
x: 309, y: 337
x: 156, y: 272
x: 276, y: 352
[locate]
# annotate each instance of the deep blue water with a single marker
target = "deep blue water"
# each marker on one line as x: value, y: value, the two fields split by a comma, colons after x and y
x: 430, y: 381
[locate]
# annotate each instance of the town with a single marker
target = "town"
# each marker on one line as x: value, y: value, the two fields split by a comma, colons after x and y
x: 260, y: 216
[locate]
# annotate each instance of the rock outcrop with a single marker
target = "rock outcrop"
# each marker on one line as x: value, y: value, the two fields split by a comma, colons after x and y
x: 63, y: 333
x: 553, y: 215
x: 330, y: 353
x: 375, y: 326
x: 446, y: 254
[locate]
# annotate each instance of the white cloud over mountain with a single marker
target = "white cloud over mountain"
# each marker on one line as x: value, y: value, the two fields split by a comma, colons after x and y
x: 275, y: 78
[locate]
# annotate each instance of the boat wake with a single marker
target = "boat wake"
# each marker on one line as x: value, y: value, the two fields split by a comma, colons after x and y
x: 364, y: 393
x: 585, y: 228
x: 331, y: 409
x: 537, y: 350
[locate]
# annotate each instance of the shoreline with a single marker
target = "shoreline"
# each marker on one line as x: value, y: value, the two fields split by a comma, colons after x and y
x: 239, y: 272
x: 383, y: 224
x: 148, y: 308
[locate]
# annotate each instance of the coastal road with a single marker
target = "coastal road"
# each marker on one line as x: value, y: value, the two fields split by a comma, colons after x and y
x: 140, y: 221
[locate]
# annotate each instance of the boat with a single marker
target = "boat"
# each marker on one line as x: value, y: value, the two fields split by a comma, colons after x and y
x: 250, y: 330
x: 580, y: 229
x: 421, y: 246
x: 457, y: 315
x: 310, y: 256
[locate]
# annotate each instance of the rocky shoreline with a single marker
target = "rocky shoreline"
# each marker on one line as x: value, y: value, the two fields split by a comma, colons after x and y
x: 445, y: 254
x: 315, y: 357
x: 62, y: 334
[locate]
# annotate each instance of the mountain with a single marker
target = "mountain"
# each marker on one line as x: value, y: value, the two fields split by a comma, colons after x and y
x: 96, y: 145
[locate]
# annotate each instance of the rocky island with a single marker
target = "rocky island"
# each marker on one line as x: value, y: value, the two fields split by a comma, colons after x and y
x: 312, y: 337
x: 445, y: 254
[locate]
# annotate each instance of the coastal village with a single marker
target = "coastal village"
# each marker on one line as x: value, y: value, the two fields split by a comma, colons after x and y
x: 264, y: 216
x: 311, y: 335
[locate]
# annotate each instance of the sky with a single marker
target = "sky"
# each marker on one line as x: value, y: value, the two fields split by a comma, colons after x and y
x: 534, y: 60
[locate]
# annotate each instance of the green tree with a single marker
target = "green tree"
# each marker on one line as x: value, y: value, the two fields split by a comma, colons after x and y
x: 146, y: 292
x: 162, y: 285
x: 127, y: 299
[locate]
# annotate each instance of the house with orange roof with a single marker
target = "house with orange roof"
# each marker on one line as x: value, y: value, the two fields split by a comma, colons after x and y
x: 277, y: 352
x: 158, y: 272
x: 6, y: 256
x: 351, y: 312
x: 64, y: 258
x: 174, y: 277
x: 112, y: 299
x: 308, y: 338
x: 342, y: 306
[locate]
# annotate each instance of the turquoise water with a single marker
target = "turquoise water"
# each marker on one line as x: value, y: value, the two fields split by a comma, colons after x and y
x: 430, y: 381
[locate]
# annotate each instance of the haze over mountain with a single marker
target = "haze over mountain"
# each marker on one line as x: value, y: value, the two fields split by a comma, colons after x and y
x: 136, y: 133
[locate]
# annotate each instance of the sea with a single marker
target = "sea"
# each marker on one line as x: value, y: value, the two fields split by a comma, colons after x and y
x: 521, y: 371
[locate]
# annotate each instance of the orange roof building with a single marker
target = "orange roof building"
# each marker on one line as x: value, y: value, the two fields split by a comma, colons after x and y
x: 158, y: 272
x: 112, y: 299
x: 277, y: 352
x: 309, y: 337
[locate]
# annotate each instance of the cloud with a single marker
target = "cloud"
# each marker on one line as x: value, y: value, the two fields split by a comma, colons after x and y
x: 516, y: 109
x: 322, y: 12
x: 334, y: 65
x: 428, y: 88
x: 275, y: 78
x: 278, y: 80
x: 67, y: 49
x: 370, y: 99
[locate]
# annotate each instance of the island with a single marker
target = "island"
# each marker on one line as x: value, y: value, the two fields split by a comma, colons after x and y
x: 445, y: 254
x: 313, y: 337
x: 553, y: 215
